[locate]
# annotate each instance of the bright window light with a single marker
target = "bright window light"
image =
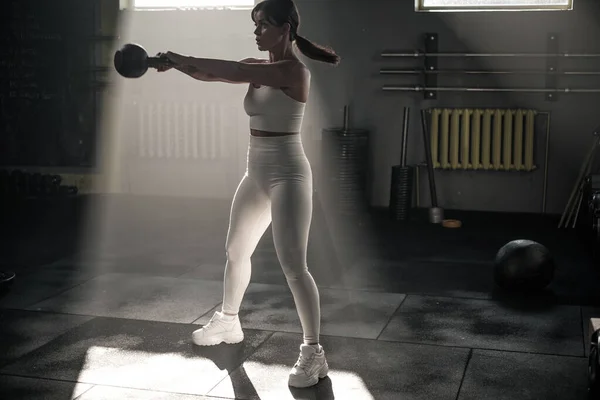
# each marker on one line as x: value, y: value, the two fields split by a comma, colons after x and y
x: 493, y: 5
x: 171, y: 4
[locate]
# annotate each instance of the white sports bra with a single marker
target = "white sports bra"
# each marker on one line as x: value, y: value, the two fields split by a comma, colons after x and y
x: 271, y: 110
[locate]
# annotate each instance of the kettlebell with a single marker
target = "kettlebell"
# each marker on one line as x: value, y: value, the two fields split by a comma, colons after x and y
x: 132, y: 61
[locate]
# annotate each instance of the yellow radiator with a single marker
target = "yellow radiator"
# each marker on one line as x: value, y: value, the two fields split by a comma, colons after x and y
x: 483, y: 139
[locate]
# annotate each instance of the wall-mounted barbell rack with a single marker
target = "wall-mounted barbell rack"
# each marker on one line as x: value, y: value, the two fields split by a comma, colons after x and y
x: 429, y: 72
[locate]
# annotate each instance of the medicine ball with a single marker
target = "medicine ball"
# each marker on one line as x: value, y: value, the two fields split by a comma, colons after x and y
x: 523, y: 265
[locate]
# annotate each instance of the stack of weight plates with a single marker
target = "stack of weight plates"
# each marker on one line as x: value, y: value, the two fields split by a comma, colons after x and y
x: 401, y: 192
x: 345, y: 161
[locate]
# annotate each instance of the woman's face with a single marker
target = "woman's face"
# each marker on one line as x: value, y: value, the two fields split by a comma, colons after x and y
x: 267, y: 35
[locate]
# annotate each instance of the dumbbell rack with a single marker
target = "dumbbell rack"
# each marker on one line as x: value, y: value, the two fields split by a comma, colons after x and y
x: 19, y: 183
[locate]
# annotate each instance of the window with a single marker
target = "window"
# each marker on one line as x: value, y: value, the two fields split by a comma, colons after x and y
x: 493, y: 5
x: 175, y: 4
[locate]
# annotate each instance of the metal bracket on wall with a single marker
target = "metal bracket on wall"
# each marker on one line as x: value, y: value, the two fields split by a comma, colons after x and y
x: 552, y: 66
x: 430, y: 64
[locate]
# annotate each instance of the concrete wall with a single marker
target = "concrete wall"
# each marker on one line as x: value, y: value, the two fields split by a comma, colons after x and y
x: 359, y: 31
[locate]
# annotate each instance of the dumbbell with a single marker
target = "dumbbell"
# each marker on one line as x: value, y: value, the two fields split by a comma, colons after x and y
x: 132, y: 61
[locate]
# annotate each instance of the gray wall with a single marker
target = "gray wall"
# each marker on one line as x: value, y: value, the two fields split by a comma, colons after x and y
x: 360, y: 30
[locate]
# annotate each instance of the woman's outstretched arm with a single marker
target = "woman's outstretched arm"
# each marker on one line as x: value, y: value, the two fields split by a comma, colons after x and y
x: 277, y: 74
x: 206, y: 77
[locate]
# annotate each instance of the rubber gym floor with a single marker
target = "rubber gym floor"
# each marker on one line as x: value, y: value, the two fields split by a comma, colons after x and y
x: 110, y: 288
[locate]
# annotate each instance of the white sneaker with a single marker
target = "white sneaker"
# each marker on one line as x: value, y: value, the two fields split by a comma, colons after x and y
x: 217, y: 330
x: 310, y: 367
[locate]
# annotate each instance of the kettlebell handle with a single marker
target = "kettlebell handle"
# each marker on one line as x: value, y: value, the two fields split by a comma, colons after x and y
x: 155, y: 62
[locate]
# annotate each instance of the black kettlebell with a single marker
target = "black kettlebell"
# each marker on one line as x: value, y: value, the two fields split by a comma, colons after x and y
x: 132, y: 61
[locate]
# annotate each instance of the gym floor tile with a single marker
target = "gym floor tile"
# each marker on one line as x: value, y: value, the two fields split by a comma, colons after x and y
x: 138, y: 296
x: 34, y: 286
x: 507, y: 376
x: 267, y: 269
x: 209, y: 272
x: 264, y: 270
x: 163, y: 246
x: 443, y: 278
x: 359, y: 369
x: 487, y: 325
x: 136, y: 355
x: 24, y: 331
x: 163, y: 265
x: 17, y: 388
x: 111, y: 393
x: 166, y: 254
x: 343, y: 313
x: 447, y: 333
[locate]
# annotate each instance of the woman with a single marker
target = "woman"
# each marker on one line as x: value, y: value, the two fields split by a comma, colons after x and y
x: 277, y: 186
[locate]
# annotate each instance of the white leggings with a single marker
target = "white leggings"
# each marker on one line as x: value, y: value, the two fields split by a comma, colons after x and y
x: 277, y: 189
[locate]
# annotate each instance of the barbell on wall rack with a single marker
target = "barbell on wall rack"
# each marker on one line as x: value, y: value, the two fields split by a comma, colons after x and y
x: 483, y: 89
x: 390, y: 71
x: 418, y: 53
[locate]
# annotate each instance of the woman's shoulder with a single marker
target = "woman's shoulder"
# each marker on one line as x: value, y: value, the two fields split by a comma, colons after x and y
x: 254, y: 61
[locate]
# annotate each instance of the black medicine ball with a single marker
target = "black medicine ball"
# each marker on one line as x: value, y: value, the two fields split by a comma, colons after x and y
x: 523, y: 265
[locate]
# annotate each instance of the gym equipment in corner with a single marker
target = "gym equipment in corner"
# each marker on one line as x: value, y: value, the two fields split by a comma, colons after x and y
x: 593, y: 358
x: 401, y: 188
x: 436, y: 213
x: 571, y: 213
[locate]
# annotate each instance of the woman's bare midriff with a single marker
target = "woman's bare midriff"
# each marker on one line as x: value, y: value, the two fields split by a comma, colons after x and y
x: 258, y: 133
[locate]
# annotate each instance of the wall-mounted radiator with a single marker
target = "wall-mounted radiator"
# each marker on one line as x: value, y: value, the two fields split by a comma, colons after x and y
x: 486, y: 140
x: 187, y: 148
x: 187, y: 130
x: 483, y: 139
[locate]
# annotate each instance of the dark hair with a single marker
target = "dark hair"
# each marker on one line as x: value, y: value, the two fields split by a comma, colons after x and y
x: 278, y: 12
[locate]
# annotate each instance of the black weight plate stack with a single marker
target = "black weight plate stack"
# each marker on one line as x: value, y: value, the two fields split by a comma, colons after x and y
x: 401, y: 192
x: 345, y: 161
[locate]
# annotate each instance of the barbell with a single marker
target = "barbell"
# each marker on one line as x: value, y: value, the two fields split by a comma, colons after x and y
x: 132, y: 61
